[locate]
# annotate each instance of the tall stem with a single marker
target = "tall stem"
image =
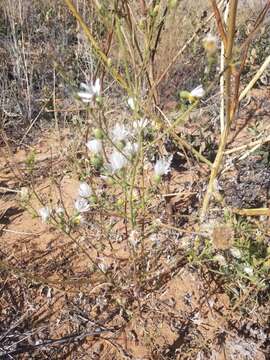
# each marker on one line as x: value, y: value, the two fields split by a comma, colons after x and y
x: 228, y: 98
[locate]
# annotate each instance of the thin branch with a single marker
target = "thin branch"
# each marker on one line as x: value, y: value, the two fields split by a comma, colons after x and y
x: 95, y: 45
x: 229, y: 115
x: 219, y: 21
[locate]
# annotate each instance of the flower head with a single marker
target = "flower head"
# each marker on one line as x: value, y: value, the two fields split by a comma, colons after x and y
x: 79, y: 219
x: 96, y: 87
x: 117, y: 161
x: 131, y: 103
x: 198, y: 92
x: 236, y: 253
x: 220, y: 259
x: 131, y: 148
x: 162, y: 166
x: 248, y: 270
x: 95, y: 146
x: 88, y: 92
x: 119, y: 133
x: 140, y: 125
x: 210, y: 44
x: 81, y: 205
x: 44, y: 213
x: 85, y: 94
x: 85, y: 190
x: 59, y: 211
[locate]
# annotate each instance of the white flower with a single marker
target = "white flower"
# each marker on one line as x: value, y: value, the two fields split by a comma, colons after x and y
x: 95, y: 146
x: 131, y: 148
x: 117, y: 161
x: 131, y: 103
x: 79, y: 220
x: 140, y: 125
x: 85, y: 94
x: 236, y: 253
x: 84, y: 190
x: 210, y: 43
x: 162, y: 166
x: 248, y: 270
x: 209, y: 38
x: 220, y: 259
x: 88, y: 92
x: 81, y: 205
x: 59, y: 211
x: 96, y: 87
x: 198, y: 92
x: 44, y: 213
x: 119, y: 133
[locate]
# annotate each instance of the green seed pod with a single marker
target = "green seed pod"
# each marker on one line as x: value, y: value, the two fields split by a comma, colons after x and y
x: 97, y: 162
x: 93, y: 199
x: 98, y: 133
x: 184, y: 94
x: 155, y: 11
x: 157, y: 179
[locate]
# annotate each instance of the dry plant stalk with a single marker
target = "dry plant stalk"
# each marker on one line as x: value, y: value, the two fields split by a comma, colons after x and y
x: 232, y: 100
x: 256, y: 77
x: 101, y: 55
x: 183, y: 48
x: 228, y: 46
x: 252, y: 212
x: 222, y: 67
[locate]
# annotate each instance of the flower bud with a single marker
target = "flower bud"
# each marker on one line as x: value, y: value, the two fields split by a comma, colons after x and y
x: 109, y: 62
x: 155, y: 11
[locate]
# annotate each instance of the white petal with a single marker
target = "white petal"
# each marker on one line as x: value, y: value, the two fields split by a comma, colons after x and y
x: 162, y: 166
x: 59, y: 210
x: 119, y: 133
x: 131, y: 148
x: 131, y: 103
x: 236, y: 253
x: 210, y: 38
x: 95, y: 146
x: 85, y: 87
x: 248, y: 270
x: 117, y: 161
x: 44, y: 213
x: 198, y: 92
x: 85, y: 96
x: 96, y: 87
x: 81, y: 205
x: 85, y: 190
